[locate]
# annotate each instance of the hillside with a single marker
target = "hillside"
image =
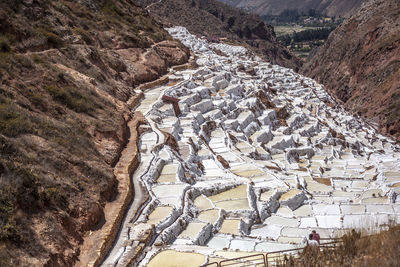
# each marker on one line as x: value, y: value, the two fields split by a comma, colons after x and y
x: 67, y: 69
x: 332, y: 8
x: 214, y: 19
x: 360, y: 64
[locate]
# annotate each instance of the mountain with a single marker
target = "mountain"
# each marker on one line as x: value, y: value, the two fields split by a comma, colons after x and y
x: 214, y: 19
x: 272, y: 7
x: 67, y: 69
x: 360, y: 64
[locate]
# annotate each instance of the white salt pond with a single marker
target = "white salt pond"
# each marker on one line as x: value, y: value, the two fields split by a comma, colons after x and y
x: 243, y: 177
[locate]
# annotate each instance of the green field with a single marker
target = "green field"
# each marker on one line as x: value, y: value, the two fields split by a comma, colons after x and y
x: 286, y: 29
x: 300, y: 44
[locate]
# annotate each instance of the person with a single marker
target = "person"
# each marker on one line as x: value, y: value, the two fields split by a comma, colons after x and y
x: 311, y: 242
x: 316, y: 236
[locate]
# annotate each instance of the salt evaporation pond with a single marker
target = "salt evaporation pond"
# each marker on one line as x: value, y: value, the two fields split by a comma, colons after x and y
x: 260, y: 157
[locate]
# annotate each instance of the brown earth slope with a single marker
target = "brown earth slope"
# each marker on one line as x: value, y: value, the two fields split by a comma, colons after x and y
x: 332, y: 8
x: 214, y: 19
x: 360, y: 63
x: 66, y: 70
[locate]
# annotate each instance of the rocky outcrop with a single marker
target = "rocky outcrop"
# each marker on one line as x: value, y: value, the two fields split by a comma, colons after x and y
x: 360, y: 64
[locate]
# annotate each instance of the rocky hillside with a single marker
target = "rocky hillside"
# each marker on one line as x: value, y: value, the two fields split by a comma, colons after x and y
x: 214, y: 19
x: 273, y: 7
x: 360, y: 64
x: 66, y: 70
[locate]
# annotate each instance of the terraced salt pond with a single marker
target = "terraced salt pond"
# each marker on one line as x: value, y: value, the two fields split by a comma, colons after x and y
x: 176, y: 259
x: 260, y: 156
x: 159, y: 214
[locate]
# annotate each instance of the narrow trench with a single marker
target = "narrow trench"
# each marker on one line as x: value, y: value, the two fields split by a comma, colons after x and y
x: 124, y: 221
x: 142, y: 207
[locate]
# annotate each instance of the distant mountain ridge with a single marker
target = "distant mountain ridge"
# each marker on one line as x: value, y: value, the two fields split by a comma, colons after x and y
x: 332, y: 8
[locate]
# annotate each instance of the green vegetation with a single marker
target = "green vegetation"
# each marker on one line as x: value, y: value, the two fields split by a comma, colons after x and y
x: 9, y: 230
x: 306, y: 18
x: 54, y: 196
x: 53, y: 40
x: 12, y: 64
x: 37, y: 99
x: 302, y: 31
x: 4, y: 45
x: 110, y: 8
x: 73, y: 98
x: 84, y: 34
x: 37, y: 58
x: 10, y: 198
x: 12, y: 121
x: 306, y: 35
x: 302, y: 39
x: 26, y: 192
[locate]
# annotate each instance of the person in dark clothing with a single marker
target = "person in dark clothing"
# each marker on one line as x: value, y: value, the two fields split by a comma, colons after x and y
x: 316, y: 236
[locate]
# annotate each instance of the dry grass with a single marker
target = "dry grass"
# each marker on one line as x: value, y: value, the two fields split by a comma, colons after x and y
x: 374, y: 250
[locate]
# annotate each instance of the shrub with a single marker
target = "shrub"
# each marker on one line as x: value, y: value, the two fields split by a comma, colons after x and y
x: 37, y: 58
x: 61, y: 141
x: 4, y: 45
x: 54, y: 196
x: 27, y: 190
x: 6, y: 62
x: 110, y: 8
x: 24, y: 61
x: 52, y: 39
x: 13, y: 63
x: 6, y: 203
x: 12, y: 122
x: 9, y: 230
x: 72, y: 98
x: 37, y: 100
x: 84, y: 34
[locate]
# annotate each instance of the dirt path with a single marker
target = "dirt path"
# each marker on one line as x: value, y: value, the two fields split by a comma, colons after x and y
x: 155, y: 3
